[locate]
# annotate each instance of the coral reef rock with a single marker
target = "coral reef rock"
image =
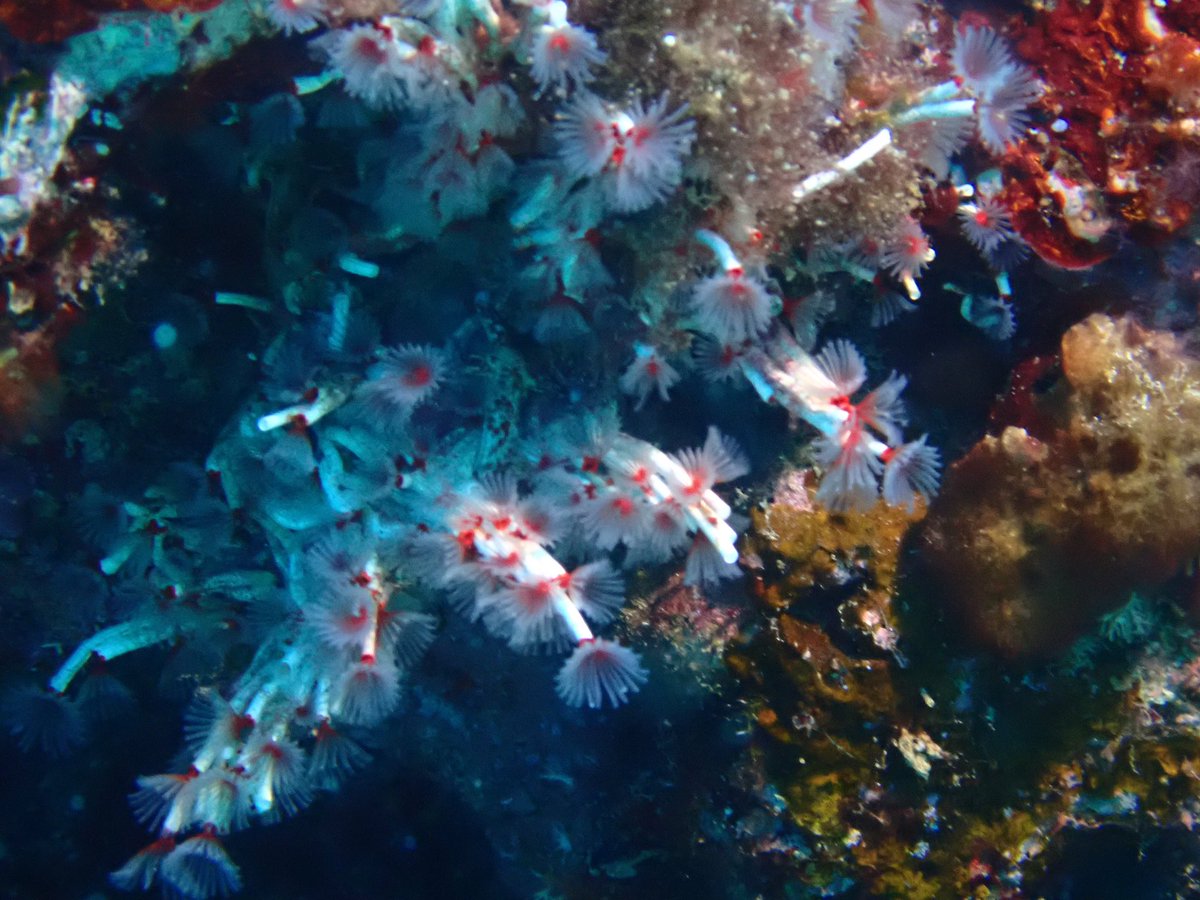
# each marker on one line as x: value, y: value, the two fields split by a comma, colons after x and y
x: 1034, y: 535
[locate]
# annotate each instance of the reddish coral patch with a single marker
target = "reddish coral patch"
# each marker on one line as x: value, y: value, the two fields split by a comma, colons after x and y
x: 1121, y: 76
x: 48, y: 21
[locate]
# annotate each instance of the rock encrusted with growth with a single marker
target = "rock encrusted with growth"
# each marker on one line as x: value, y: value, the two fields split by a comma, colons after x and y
x: 1034, y: 535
